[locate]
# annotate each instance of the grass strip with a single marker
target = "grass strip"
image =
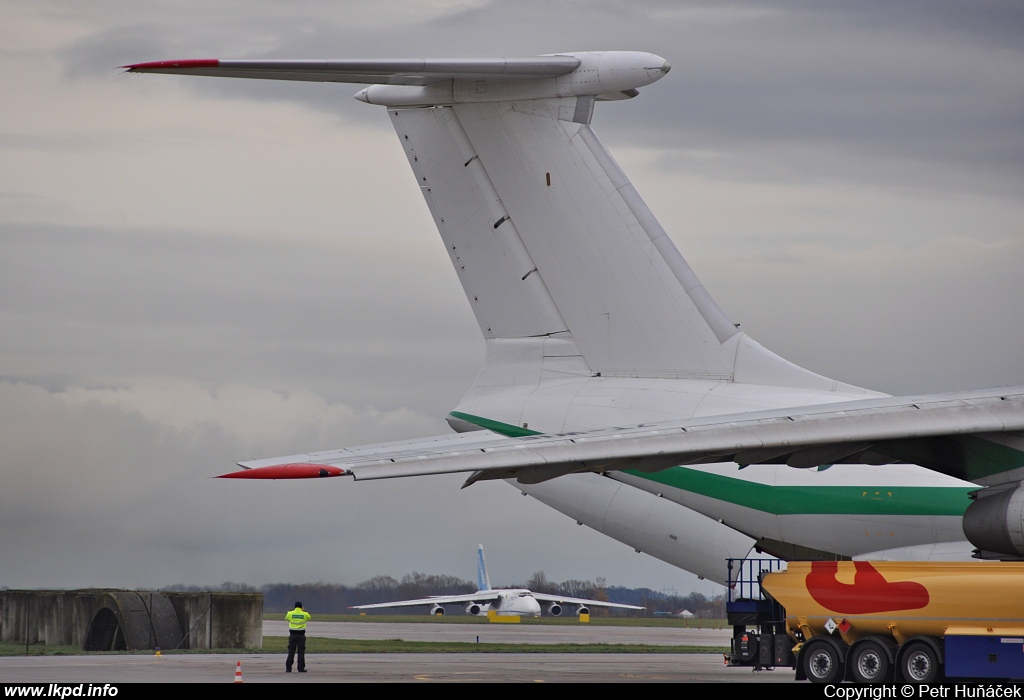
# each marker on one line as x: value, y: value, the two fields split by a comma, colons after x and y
x: 324, y: 645
x: 18, y: 649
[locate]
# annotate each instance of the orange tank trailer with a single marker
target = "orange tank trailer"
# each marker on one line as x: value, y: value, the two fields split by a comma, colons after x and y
x: 876, y: 622
x: 901, y: 599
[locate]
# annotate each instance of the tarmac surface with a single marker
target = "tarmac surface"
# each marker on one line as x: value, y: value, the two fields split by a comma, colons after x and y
x: 423, y: 668
x: 506, y: 633
x: 382, y: 668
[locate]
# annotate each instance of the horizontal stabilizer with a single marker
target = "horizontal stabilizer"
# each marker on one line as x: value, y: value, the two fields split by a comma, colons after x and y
x: 371, y: 71
x: 604, y: 75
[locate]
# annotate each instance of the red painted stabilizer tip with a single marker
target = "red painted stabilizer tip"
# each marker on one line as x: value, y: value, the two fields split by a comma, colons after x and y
x: 188, y: 63
x: 298, y: 470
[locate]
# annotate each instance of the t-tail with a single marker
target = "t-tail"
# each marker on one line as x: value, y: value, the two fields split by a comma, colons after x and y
x: 566, y: 269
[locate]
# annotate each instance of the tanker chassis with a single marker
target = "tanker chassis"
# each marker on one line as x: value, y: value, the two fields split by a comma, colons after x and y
x: 878, y: 622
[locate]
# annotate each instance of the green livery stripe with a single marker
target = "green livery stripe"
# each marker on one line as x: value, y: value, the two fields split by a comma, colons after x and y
x: 811, y: 500
x: 787, y: 500
x: 498, y: 427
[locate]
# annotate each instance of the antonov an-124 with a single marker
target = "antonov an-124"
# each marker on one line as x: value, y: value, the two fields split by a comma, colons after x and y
x: 504, y: 602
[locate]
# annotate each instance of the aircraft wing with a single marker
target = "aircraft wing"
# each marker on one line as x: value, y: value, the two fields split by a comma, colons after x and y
x: 478, y: 597
x: 544, y: 597
x: 973, y: 435
x: 420, y: 72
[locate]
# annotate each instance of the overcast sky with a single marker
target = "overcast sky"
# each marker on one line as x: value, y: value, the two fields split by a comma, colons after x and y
x: 198, y: 271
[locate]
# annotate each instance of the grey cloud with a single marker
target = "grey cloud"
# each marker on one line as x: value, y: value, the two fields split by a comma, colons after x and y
x: 100, y: 303
x: 96, y: 495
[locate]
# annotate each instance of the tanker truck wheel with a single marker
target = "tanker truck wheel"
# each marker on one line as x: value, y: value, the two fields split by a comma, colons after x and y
x: 821, y: 662
x: 869, y: 663
x: 920, y: 664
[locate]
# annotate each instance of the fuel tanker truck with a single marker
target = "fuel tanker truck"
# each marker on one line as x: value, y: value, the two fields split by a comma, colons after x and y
x: 877, y: 622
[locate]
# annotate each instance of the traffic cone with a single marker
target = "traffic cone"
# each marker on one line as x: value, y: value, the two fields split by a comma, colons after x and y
x: 238, y: 672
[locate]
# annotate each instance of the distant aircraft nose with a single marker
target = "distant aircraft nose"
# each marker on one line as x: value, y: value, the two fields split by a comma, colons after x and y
x: 532, y: 606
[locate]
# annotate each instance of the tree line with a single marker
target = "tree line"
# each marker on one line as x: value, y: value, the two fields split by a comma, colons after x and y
x: 333, y: 598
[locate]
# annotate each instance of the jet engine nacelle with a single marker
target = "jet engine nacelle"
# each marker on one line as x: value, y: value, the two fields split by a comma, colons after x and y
x: 474, y: 609
x: 582, y: 610
x: 437, y: 610
x: 554, y: 610
x: 994, y: 522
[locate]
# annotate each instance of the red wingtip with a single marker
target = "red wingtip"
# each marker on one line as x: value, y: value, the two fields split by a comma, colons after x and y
x: 188, y: 63
x: 298, y: 470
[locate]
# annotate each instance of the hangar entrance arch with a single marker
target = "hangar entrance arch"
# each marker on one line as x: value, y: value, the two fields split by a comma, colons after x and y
x: 105, y: 619
x: 105, y: 633
x: 126, y: 620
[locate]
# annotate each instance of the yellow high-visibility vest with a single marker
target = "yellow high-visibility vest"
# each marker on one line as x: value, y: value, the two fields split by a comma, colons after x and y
x: 297, y: 619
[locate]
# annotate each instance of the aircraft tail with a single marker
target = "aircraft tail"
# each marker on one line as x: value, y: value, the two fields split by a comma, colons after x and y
x: 483, y: 581
x: 567, y: 270
x: 550, y: 240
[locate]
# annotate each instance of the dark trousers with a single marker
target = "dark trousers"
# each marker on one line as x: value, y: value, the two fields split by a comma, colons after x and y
x: 296, y: 640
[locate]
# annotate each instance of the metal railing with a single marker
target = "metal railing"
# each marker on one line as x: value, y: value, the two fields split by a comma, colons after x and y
x: 744, y: 578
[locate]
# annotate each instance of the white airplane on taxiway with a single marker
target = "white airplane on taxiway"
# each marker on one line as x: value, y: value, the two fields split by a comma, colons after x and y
x: 502, y: 601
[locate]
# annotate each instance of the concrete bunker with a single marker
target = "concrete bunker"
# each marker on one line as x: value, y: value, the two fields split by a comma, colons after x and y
x: 116, y: 620
x: 126, y: 620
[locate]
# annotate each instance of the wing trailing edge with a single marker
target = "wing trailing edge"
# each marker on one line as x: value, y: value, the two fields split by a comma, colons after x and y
x: 973, y: 435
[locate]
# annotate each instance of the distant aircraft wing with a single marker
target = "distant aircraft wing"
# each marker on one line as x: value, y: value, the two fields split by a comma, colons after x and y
x: 385, y: 72
x: 544, y: 597
x: 478, y: 597
x: 974, y: 435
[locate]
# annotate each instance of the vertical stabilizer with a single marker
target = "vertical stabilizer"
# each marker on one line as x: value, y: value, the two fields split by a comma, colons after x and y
x: 551, y: 241
x: 483, y: 581
x: 548, y: 237
x: 559, y: 257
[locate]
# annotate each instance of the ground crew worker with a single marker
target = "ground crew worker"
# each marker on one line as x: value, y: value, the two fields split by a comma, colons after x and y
x: 297, y: 620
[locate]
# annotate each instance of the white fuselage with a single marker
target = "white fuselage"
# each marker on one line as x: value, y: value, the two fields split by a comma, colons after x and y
x: 845, y: 510
x: 512, y: 601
